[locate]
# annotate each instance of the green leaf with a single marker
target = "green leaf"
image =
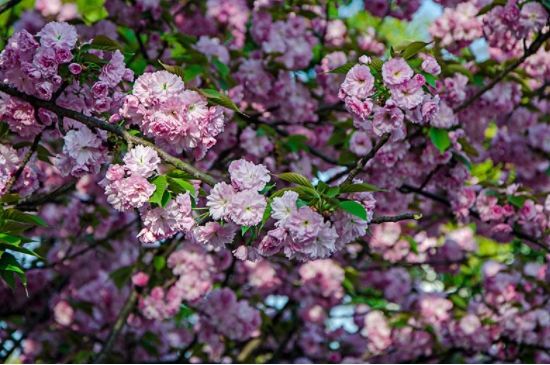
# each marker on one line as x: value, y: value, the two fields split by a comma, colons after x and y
x: 9, y: 239
x: 9, y: 278
x: 546, y: 3
x: 459, y: 301
x: 121, y: 276
x: 296, y: 179
x: 359, y: 188
x: 9, y: 263
x: 180, y: 174
x: 10, y: 198
x: 18, y: 216
x: 463, y: 159
x: 176, y: 70
x: 440, y: 138
x: 267, y: 214
x: 412, y: 49
x: 322, y: 186
x: 456, y: 68
x: 348, y: 286
x: 165, y: 198
x: 226, y: 102
x: 518, y: 201
x: 180, y: 186
x: 267, y: 188
x: 209, y: 93
x: 244, y: 229
x: 430, y: 79
x: 376, y: 64
x: 26, y: 251
x: 159, y: 262
x: 301, y: 192
x: 468, y: 148
x: 191, y: 72
x: 13, y: 228
x: 105, y: 43
x: 296, y: 142
x: 83, y: 356
x: 342, y: 70
x: 222, y: 67
x: 354, y: 208
x: 160, y: 182
x: 333, y: 191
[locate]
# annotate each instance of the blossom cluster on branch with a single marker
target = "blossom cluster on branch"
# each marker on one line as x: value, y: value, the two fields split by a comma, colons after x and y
x: 262, y: 181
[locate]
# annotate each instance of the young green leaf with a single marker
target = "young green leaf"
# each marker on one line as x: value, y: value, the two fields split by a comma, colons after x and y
x: 412, y: 49
x: 354, y: 208
x: 9, y: 263
x: 104, y: 43
x: 121, y: 276
x: 159, y: 262
x: 359, y: 188
x: 333, y: 191
x: 176, y: 70
x: 160, y: 182
x: 296, y: 179
x: 342, y: 70
x: 440, y: 138
x: 26, y: 251
x: 18, y: 216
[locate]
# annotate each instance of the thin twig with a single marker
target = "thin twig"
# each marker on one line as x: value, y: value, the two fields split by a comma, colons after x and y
x: 363, y: 161
x: 7, y: 6
x: 397, y: 218
x: 533, y: 48
x: 406, y: 189
x: 37, y: 200
x: 24, y: 162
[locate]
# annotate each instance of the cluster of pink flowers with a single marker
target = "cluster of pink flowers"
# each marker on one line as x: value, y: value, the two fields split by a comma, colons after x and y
x: 400, y: 9
x: 290, y: 38
x: 83, y: 152
x: 177, y: 118
x: 505, y: 25
x: 124, y: 192
x: 458, y: 27
x: 194, y: 269
x: 304, y: 234
x: 32, y: 66
x: 361, y: 95
x: 223, y: 314
x: 241, y: 201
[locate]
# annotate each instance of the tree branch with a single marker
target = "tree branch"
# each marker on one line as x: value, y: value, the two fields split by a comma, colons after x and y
x: 406, y: 189
x: 119, y: 131
x: 7, y: 6
x: 24, y: 162
x: 128, y: 308
x: 397, y: 218
x: 363, y: 161
x: 533, y: 48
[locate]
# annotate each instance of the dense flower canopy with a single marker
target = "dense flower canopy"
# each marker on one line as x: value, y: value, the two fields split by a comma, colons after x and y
x: 263, y: 181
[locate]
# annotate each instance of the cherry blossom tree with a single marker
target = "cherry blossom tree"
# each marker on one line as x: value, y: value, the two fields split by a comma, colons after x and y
x: 275, y: 181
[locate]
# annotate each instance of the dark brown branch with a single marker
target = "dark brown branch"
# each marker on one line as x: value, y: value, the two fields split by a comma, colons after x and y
x: 406, y: 189
x: 397, y: 218
x: 533, y: 48
x: 119, y: 131
x: 24, y: 162
x: 128, y: 308
x: 363, y: 161
x: 37, y: 200
x: 7, y: 6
